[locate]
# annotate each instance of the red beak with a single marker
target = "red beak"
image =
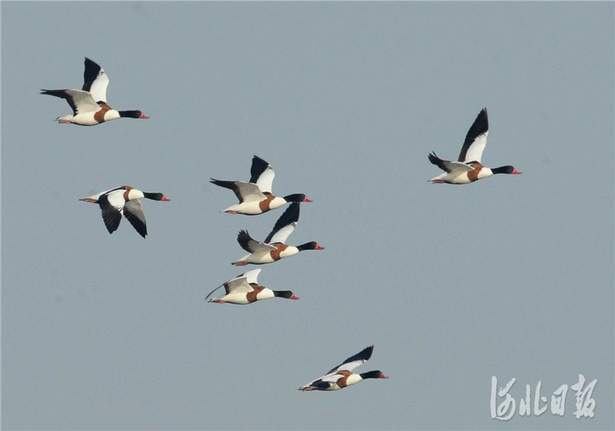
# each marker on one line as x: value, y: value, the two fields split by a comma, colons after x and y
x: 164, y: 199
x: 319, y: 248
x: 293, y: 297
x: 516, y: 172
x: 143, y: 116
x: 306, y: 200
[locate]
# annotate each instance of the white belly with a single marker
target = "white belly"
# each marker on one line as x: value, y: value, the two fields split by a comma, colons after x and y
x: 253, y: 207
x: 259, y: 257
x: 235, y: 298
x: 250, y: 208
x: 88, y: 119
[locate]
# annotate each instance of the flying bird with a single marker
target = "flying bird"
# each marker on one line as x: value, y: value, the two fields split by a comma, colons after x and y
x: 469, y: 168
x: 255, y: 197
x: 125, y: 201
x: 342, y: 376
x: 274, y: 247
x: 244, y: 289
x: 89, y: 104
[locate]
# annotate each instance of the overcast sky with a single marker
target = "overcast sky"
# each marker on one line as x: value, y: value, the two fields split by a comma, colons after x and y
x: 509, y: 277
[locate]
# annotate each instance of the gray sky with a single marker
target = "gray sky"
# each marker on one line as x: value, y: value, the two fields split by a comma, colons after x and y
x: 509, y: 277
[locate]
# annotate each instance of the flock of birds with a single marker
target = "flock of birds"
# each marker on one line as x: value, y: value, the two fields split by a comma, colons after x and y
x: 255, y: 197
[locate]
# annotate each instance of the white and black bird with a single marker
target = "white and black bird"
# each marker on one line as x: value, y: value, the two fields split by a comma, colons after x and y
x: 124, y: 201
x: 468, y: 168
x: 342, y: 376
x: 274, y: 247
x: 89, y: 104
x: 255, y: 197
x: 244, y: 289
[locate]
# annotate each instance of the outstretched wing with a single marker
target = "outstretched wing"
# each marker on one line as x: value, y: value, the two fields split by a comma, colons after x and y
x: 354, y: 361
x: 252, y: 275
x: 249, y: 244
x: 476, y: 139
x: 111, y: 205
x: 239, y: 284
x: 285, y: 225
x: 245, y: 192
x: 242, y: 283
x: 95, y: 81
x: 262, y: 174
x: 133, y: 211
x: 80, y: 101
x: 448, y: 165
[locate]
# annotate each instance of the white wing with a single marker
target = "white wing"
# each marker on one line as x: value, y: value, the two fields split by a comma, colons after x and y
x: 99, y: 87
x: 82, y: 101
x: 254, y: 246
x: 238, y: 285
x: 476, y: 139
x: 265, y: 180
x: 112, y: 206
x: 282, y: 234
x: 249, y: 192
x: 116, y: 199
x: 354, y: 361
x: 252, y: 276
x: 349, y: 366
x: 452, y: 166
x: 475, y: 151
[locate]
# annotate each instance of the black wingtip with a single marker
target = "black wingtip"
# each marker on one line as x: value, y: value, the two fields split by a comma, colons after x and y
x: 291, y: 215
x: 225, y: 184
x: 260, y: 159
x: 433, y: 158
x: 364, y: 354
x: 258, y: 167
x: 368, y: 351
x: 243, y: 237
x: 91, y: 62
x: 90, y: 73
x: 480, y: 125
